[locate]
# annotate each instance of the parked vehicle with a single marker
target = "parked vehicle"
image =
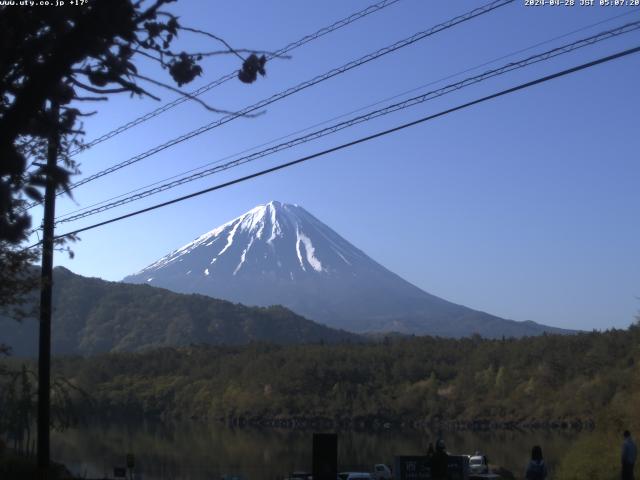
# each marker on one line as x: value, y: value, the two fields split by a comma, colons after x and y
x: 300, y: 476
x: 381, y: 472
x: 354, y: 476
x: 478, y: 464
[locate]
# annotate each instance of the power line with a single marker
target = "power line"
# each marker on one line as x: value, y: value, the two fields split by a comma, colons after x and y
x: 534, y: 59
x: 309, y: 83
x: 286, y: 93
x: 346, y: 114
x: 360, y: 140
x: 225, y: 78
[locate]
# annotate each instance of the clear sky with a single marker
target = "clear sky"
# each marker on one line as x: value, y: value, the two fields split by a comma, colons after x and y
x: 525, y: 207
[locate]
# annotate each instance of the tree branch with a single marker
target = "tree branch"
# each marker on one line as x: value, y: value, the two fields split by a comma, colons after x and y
x: 98, y: 90
x: 91, y: 99
x: 151, y: 12
x: 191, y: 97
x: 215, y: 37
x: 243, y: 50
x: 148, y: 55
x: 138, y: 90
x: 79, y: 113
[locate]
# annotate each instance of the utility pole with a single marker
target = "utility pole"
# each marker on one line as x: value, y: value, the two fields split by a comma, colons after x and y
x: 46, y: 283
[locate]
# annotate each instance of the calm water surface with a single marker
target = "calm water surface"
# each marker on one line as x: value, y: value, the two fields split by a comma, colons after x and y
x: 198, y: 451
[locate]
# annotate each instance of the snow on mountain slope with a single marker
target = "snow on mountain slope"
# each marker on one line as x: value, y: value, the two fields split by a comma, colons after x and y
x: 274, y: 238
x: 281, y: 254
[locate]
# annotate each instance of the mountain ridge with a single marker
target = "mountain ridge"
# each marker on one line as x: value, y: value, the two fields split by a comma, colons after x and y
x: 93, y: 316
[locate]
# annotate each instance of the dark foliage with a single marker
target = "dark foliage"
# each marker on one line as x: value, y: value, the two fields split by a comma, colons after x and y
x: 530, y: 381
x: 65, y: 56
x: 17, y: 281
x: 52, y: 61
x: 251, y: 67
x: 16, y: 285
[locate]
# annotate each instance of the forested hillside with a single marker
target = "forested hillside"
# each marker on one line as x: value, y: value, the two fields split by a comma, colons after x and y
x: 529, y: 382
x: 95, y: 316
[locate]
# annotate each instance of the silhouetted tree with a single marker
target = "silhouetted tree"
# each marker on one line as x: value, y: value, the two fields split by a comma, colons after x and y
x: 66, y: 57
x: 17, y: 281
x: 18, y: 404
x: 77, y: 54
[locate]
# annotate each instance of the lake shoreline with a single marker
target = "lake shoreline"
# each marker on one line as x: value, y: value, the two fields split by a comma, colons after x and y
x: 382, y: 423
x: 375, y: 423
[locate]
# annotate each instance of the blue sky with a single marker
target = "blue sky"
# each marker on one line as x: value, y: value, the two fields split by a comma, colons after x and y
x: 525, y: 207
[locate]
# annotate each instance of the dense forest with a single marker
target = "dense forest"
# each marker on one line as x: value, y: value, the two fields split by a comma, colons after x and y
x: 556, y: 381
x: 587, y: 380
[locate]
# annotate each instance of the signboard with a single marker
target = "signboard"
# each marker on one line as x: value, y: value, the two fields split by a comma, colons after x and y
x: 325, y: 456
x: 119, y: 472
x: 412, y: 468
x: 418, y: 467
x: 458, y: 467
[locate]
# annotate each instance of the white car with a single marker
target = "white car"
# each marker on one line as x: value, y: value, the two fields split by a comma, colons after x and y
x: 478, y: 464
x: 354, y: 476
x: 300, y: 476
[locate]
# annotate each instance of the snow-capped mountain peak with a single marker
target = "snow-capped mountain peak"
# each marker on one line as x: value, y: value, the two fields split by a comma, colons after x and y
x: 281, y: 238
x: 279, y: 253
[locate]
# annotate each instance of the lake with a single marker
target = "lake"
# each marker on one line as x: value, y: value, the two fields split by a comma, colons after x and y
x: 195, y: 451
x: 191, y: 450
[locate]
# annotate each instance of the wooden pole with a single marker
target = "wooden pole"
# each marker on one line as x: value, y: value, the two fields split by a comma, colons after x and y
x: 46, y: 283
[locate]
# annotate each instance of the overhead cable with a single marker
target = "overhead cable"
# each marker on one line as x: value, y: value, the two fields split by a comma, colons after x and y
x: 231, y: 75
x: 534, y: 59
x: 290, y: 91
x: 522, y: 86
x: 343, y: 115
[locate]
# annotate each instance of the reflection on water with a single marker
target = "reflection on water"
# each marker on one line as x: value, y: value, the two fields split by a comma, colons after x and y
x: 198, y: 451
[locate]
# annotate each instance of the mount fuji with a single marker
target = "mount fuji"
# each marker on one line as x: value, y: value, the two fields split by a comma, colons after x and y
x: 281, y: 254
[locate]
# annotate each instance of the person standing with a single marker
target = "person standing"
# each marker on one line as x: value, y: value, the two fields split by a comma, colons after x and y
x: 440, y: 461
x: 629, y: 456
x: 430, y: 450
x: 536, y: 469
